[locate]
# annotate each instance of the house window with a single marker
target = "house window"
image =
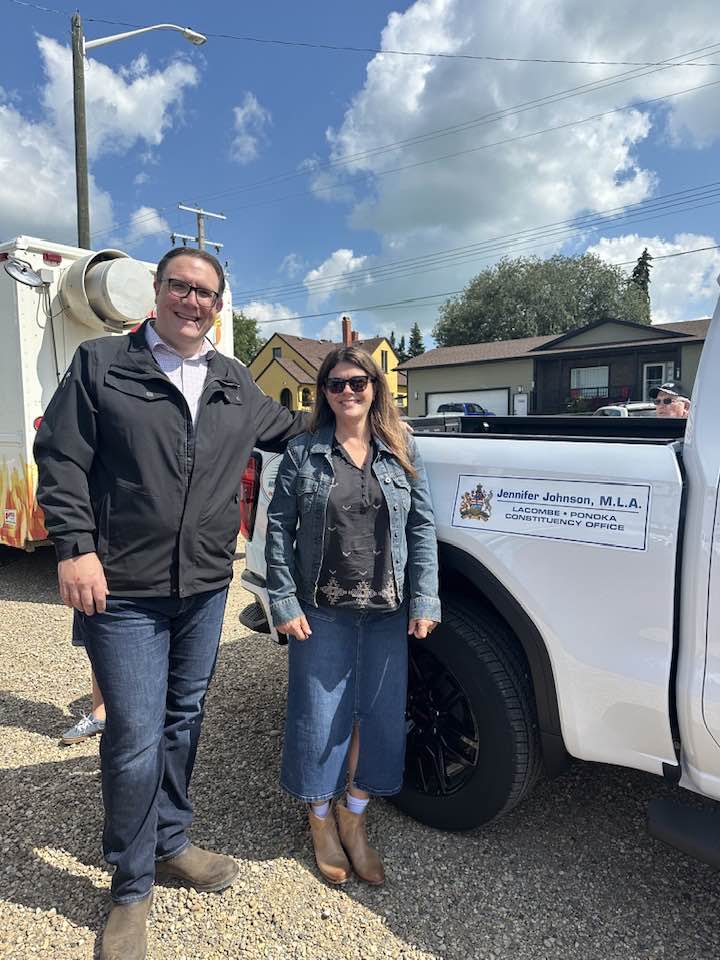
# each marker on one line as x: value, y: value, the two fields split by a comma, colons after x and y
x: 589, y: 382
x: 306, y: 397
x: 277, y: 352
x: 384, y: 360
x: 655, y: 374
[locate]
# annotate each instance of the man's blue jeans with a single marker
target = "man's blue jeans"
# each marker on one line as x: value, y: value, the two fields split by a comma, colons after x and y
x: 153, y: 658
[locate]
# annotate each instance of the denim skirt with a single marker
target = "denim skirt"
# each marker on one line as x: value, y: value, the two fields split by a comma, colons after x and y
x: 352, y: 669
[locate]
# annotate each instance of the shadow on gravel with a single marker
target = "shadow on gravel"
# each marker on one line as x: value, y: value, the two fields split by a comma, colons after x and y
x: 30, y: 577
x: 44, y: 718
x: 52, y: 810
x: 569, y: 874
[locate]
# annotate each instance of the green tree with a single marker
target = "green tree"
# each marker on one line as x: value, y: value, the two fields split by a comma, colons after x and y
x: 416, y: 345
x: 393, y: 344
x: 401, y: 351
x: 529, y: 297
x: 641, y: 272
x: 246, y: 337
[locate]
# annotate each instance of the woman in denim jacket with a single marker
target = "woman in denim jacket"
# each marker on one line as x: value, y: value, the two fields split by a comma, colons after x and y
x: 351, y: 572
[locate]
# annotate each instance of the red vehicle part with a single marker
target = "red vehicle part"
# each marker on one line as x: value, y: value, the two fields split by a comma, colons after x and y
x: 249, y: 490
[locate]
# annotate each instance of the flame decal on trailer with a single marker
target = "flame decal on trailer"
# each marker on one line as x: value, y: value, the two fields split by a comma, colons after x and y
x: 21, y: 519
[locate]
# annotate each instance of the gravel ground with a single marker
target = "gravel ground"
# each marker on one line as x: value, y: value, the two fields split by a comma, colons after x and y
x: 570, y: 874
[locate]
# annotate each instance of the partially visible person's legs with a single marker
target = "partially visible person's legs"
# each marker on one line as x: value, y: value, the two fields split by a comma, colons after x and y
x: 98, y: 703
x: 93, y: 723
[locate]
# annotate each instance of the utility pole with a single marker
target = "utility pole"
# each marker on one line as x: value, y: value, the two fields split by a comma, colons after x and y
x: 81, y: 156
x: 200, y: 239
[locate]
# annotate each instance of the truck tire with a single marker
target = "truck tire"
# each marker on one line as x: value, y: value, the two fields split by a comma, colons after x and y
x: 473, y: 750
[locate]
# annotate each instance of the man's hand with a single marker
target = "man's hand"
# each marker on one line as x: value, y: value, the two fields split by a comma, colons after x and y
x: 82, y: 583
x: 421, y: 628
x: 298, y: 627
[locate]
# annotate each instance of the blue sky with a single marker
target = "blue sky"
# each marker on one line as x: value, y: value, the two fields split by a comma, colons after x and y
x: 172, y: 123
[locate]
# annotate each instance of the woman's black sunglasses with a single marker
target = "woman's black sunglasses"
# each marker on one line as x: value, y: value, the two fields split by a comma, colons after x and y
x: 357, y: 384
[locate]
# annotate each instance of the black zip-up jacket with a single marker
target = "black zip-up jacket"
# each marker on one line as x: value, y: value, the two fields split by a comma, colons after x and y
x: 123, y: 471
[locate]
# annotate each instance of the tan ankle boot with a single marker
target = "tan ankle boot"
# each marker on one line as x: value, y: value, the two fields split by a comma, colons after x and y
x: 125, y: 936
x: 366, y: 862
x: 329, y: 854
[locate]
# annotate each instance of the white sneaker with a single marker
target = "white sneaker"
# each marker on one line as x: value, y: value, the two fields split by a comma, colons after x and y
x: 87, y: 726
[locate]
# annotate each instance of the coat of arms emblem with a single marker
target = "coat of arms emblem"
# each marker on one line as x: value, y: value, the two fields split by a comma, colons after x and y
x: 476, y: 504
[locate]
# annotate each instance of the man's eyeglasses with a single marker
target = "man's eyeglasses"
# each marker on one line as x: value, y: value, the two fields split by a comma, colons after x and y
x: 357, y: 384
x: 666, y: 400
x: 180, y: 290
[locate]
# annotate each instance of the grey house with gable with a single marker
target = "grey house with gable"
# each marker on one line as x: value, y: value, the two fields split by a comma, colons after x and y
x: 609, y: 361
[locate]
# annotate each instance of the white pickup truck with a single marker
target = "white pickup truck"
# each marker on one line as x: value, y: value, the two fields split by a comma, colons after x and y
x: 580, y: 580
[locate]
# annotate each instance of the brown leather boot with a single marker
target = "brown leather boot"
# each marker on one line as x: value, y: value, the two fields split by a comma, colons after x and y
x: 329, y: 854
x: 366, y: 862
x: 125, y: 935
x: 204, y: 871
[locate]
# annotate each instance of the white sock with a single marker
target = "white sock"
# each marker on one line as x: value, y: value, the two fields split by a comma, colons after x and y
x: 356, y: 804
x: 321, y: 810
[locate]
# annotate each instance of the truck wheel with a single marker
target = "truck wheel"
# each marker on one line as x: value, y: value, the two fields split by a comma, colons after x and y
x: 473, y: 748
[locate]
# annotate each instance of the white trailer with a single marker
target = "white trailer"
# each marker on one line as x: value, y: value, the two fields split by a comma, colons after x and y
x: 52, y: 298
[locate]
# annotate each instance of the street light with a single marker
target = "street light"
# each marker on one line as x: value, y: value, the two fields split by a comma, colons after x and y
x: 79, y: 46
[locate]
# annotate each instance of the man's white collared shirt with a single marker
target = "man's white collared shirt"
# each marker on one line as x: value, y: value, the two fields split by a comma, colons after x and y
x: 186, y: 373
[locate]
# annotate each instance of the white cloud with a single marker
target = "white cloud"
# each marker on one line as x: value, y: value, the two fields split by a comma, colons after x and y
x: 272, y: 317
x: 37, y: 166
x: 292, y: 265
x: 250, y: 122
x: 493, y: 190
x: 140, y: 178
x: 147, y: 222
x: 340, y: 263
x: 681, y: 288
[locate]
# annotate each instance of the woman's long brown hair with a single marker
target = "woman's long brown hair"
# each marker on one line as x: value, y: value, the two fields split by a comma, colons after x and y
x: 384, y: 418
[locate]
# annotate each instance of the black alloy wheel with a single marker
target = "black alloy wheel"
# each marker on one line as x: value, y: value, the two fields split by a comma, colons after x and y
x: 473, y: 750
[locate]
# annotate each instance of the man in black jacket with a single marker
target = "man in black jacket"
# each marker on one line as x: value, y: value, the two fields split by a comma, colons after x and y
x: 140, y: 455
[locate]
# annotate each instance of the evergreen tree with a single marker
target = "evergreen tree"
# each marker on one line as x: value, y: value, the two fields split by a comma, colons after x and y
x: 641, y: 272
x: 393, y: 344
x: 401, y: 351
x: 416, y: 345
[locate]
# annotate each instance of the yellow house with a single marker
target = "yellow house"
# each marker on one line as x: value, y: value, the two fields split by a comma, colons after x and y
x: 286, y: 366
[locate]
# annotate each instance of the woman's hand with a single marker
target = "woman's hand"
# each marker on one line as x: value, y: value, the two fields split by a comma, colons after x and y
x: 298, y: 627
x: 421, y: 628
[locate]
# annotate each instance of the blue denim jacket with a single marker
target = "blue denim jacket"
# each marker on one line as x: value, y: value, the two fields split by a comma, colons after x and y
x: 296, y: 527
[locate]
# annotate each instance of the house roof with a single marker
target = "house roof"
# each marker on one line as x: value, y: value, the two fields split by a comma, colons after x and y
x: 295, y: 370
x: 315, y: 351
x: 523, y: 347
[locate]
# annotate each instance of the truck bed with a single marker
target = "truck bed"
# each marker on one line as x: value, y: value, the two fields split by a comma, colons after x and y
x: 617, y: 429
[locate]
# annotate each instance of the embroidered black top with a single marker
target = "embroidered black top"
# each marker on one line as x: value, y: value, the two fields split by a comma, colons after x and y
x: 356, y: 571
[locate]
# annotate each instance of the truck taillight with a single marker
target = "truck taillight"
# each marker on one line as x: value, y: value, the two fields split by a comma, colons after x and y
x: 36, y: 422
x: 249, y: 489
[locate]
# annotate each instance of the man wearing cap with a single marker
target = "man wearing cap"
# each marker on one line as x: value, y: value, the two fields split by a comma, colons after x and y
x: 140, y: 455
x: 670, y: 400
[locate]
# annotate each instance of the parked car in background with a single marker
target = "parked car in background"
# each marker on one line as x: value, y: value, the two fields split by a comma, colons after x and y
x: 639, y: 408
x: 464, y: 409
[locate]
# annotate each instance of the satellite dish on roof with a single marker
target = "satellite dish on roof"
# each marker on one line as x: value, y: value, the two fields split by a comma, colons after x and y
x: 21, y: 271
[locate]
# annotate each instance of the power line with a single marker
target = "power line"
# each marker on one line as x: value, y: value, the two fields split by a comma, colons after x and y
x: 599, y: 219
x: 493, y: 117
x: 346, y: 48
x: 450, y: 293
x: 471, y: 150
